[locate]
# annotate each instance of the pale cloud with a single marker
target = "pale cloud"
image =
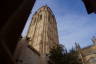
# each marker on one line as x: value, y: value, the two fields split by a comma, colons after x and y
x: 76, y: 28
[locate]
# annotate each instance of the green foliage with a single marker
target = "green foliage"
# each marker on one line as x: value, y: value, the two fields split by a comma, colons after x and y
x: 59, y: 55
x: 56, y: 54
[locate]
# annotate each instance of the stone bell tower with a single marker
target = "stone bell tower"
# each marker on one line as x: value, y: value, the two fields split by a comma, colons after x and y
x: 43, y: 32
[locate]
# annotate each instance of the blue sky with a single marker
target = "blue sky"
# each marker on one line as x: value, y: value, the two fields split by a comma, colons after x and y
x: 73, y: 22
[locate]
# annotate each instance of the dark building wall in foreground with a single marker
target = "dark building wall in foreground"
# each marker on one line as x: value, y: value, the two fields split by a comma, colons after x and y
x: 90, y: 6
x: 14, y: 16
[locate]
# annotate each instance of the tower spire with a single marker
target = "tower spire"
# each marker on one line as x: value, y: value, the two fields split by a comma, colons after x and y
x: 43, y: 30
x: 77, y: 46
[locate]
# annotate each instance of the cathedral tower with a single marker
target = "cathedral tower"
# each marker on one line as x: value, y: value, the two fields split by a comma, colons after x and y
x: 43, y: 30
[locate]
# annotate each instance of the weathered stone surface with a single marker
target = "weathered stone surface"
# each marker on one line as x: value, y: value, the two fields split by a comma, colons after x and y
x: 43, y: 30
x: 89, y: 53
x: 26, y: 55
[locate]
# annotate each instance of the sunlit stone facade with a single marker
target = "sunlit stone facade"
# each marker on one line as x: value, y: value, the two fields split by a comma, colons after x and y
x: 88, y: 54
x: 43, y: 30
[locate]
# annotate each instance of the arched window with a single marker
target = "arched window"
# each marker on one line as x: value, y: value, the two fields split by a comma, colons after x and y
x: 40, y: 17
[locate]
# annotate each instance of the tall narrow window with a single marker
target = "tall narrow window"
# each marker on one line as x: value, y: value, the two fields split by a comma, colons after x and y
x: 40, y: 17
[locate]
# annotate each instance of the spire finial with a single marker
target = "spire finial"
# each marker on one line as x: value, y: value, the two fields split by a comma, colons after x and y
x: 94, y: 40
x: 77, y: 46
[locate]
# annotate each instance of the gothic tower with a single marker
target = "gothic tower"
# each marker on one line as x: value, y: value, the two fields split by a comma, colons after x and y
x: 43, y: 30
